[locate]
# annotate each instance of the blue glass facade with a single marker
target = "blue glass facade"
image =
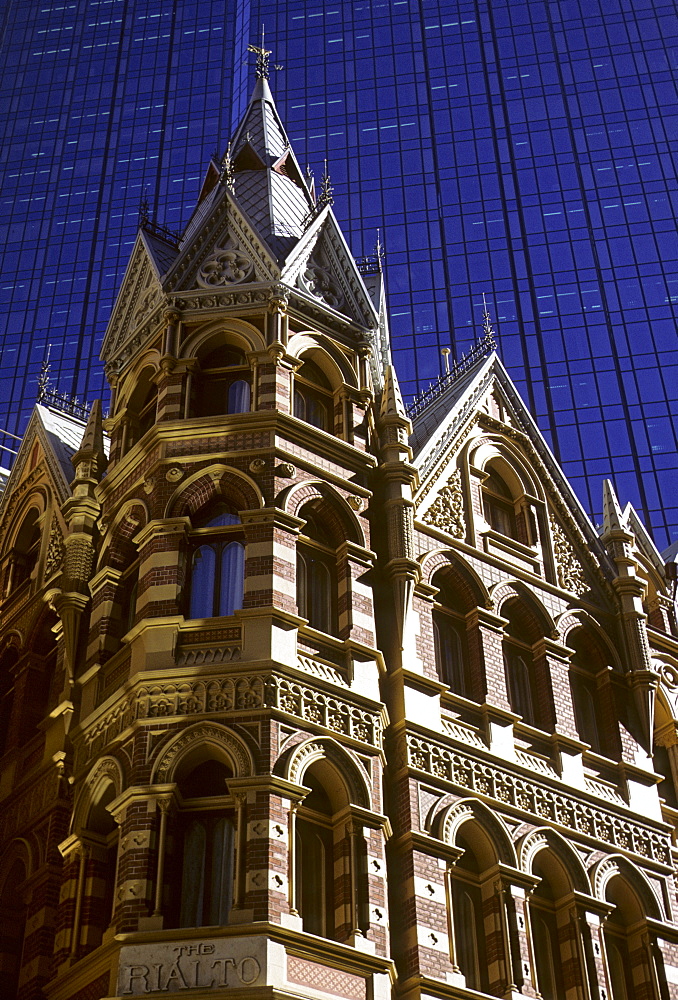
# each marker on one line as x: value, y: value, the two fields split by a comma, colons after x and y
x: 526, y: 150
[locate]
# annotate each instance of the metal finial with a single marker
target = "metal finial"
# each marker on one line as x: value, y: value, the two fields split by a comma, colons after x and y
x: 227, y: 169
x: 326, y: 196
x: 43, y: 377
x: 488, y: 329
x: 144, y: 211
x: 445, y: 351
x: 379, y: 251
x: 263, y: 55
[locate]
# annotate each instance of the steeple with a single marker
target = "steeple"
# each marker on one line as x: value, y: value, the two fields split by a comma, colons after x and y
x: 265, y: 175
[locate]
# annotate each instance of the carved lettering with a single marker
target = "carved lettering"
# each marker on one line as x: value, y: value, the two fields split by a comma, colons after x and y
x: 188, y: 966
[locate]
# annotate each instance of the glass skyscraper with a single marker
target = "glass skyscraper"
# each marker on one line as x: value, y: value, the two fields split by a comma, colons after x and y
x: 524, y: 150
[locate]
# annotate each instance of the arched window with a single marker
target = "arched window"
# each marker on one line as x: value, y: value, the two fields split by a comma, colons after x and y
x: 625, y: 934
x: 8, y: 661
x: 205, y: 847
x: 223, y: 385
x: 12, y: 928
x: 544, y: 924
x: 101, y: 834
x: 467, y: 908
x: 141, y: 409
x: 328, y: 894
x: 313, y: 399
x: 451, y: 646
x: 217, y: 574
x: 315, y: 861
x: 591, y: 700
x: 519, y: 663
x: 316, y: 573
x: 26, y: 551
x: 499, y: 505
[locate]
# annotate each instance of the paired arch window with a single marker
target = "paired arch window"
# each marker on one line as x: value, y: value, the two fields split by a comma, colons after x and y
x: 623, y: 933
x: 206, y: 846
x: 217, y: 574
x: 313, y: 398
x: 316, y: 573
x: 8, y: 661
x: 223, y: 385
x: 101, y: 834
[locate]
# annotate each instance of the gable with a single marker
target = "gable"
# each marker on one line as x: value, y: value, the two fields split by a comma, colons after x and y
x: 546, y: 532
x: 322, y: 268
x: 140, y: 296
x: 224, y: 250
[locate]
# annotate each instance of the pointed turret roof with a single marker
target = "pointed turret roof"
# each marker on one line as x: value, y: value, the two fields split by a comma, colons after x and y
x: 258, y: 225
x: 264, y: 173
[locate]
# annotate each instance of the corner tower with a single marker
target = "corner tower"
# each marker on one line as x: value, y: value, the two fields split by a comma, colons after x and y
x: 229, y: 743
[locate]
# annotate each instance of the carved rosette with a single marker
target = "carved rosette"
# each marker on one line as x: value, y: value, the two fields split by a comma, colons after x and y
x: 447, y: 510
x: 227, y: 265
x: 319, y: 283
x: 570, y: 573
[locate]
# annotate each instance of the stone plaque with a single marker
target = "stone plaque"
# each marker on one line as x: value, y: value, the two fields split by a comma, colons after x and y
x: 176, y: 966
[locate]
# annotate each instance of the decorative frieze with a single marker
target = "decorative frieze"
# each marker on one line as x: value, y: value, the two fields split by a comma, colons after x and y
x: 238, y: 693
x: 549, y: 805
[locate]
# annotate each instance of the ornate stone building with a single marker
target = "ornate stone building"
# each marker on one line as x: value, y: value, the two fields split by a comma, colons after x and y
x: 305, y: 696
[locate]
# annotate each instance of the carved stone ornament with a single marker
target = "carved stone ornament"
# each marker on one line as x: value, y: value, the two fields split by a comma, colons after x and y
x: 355, y: 502
x: 447, y: 510
x: 258, y: 465
x: 55, y: 552
x: 318, y: 281
x: 570, y: 573
x: 227, y: 265
x: 149, y: 484
x: 554, y: 807
x: 174, y: 474
x: 286, y: 470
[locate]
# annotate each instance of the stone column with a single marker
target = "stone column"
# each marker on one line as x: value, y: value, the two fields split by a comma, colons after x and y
x: 355, y: 607
x: 161, y: 578
x: 265, y: 883
x: 513, y: 890
x: 135, y: 812
x: 591, y: 913
x: 485, y: 631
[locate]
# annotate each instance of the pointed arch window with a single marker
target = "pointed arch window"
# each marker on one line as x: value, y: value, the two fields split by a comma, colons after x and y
x: 317, y: 574
x: 217, y: 572
x: 313, y: 398
x: 223, y: 385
